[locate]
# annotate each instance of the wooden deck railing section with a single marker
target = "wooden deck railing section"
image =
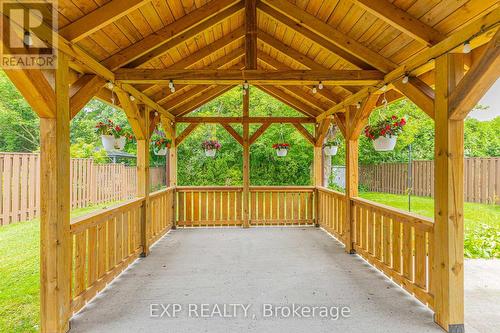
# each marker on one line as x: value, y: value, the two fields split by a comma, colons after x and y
x: 282, y: 205
x: 106, y: 242
x: 396, y: 242
x: 331, y: 212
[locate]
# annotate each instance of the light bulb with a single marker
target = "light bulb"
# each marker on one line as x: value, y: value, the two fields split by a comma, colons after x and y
x: 405, y: 80
x: 467, y: 47
x: 172, y: 89
x: 320, y: 85
x: 245, y: 84
x: 358, y: 105
x: 110, y: 85
x: 171, y: 84
x: 27, y: 40
x: 314, y: 90
x: 132, y: 98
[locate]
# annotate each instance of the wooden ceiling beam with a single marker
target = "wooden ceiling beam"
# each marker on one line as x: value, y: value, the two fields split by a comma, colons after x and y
x: 401, y: 20
x: 99, y: 18
x: 185, y: 133
x: 82, y: 91
x: 251, y: 34
x: 312, y: 36
x: 186, y: 35
x: 175, y: 29
x: 255, y: 76
x: 478, y: 80
x: 307, y: 98
x: 289, y: 100
x: 264, y: 57
x: 258, y: 133
x: 331, y: 34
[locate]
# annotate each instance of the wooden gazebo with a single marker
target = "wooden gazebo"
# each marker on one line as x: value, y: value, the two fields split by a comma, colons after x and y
x: 442, y: 55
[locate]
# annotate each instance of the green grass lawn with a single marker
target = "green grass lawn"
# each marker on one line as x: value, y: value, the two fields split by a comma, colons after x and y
x: 20, y: 276
x: 482, y: 222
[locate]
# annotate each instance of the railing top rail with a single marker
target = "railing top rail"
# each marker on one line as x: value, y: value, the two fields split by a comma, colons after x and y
x: 327, y: 190
x: 282, y: 188
x: 81, y: 223
x: 208, y: 188
x: 397, y: 213
x: 160, y: 192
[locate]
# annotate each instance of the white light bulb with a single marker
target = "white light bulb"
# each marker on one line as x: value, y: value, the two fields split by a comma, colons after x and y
x: 171, y: 84
x: 245, y: 84
x: 110, y: 85
x: 358, y: 105
x: 320, y: 85
x: 405, y: 80
x: 467, y: 47
x: 132, y: 98
x: 172, y: 89
x: 314, y: 90
x: 27, y: 40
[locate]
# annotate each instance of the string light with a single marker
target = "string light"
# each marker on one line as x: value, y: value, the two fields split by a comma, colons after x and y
x: 171, y: 84
x: 110, y: 85
x: 245, y: 84
x: 406, y: 78
x: 320, y: 85
x: 27, y: 40
x: 314, y: 90
x: 467, y: 47
x: 132, y: 98
x: 358, y: 105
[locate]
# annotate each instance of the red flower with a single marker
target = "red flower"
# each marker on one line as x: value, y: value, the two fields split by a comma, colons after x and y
x: 394, y: 117
x: 402, y: 122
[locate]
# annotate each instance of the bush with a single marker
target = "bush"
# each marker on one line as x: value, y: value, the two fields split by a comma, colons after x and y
x: 482, y: 242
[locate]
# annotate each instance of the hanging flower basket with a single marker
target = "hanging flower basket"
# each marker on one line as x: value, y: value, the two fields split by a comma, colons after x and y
x: 161, y: 146
x: 281, y: 149
x: 384, y: 134
x: 108, y: 142
x: 104, y: 129
x: 211, y: 147
x: 120, y: 143
x: 331, y: 146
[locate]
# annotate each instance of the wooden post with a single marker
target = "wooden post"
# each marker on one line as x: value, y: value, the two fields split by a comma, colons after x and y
x: 317, y: 176
x: 351, y: 178
x: 172, y: 161
x: 143, y: 186
x: 448, y: 264
x: 246, y: 159
x: 55, y: 249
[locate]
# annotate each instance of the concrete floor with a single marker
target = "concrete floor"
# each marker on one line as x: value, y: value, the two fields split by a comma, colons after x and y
x: 256, y: 266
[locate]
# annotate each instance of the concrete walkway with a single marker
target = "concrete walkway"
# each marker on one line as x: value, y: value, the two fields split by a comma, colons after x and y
x: 253, y: 267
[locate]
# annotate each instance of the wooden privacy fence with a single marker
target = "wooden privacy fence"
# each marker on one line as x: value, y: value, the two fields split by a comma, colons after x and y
x: 91, y: 184
x: 396, y: 242
x: 481, y: 178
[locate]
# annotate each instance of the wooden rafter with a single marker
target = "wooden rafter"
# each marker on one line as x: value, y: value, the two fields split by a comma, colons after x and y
x: 482, y: 75
x: 185, y: 133
x: 83, y: 90
x: 184, y: 98
x: 258, y: 133
x: 35, y: 88
x: 419, y: 93
x: 331, y: 34
x: 233, y: 132
x: 305, y: 133
x: 401, y: 20
x: 340, y: 121
x: 251, y: 34
x: 167, y: 33
x: 190, y: 33
x: 99, y: 18
x: 289, y: 100
x: 203, y: 99
x: 311, y: 35
x: 255, y: 76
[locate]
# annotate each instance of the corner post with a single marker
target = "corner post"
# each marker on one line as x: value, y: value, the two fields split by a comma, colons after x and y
x: 317, y: 177
x: 351, y: 182
x: 143, y: 185
x: 173, y: 174
x: 55, y: 241
x: 246, y: 159
x: 448, y: 244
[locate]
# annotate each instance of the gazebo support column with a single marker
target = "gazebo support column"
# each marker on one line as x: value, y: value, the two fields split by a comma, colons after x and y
x: 351, y: 177
x: 55, y: 249
x: 246, y: 160
x: 143, y: 186
x: 448, y: 265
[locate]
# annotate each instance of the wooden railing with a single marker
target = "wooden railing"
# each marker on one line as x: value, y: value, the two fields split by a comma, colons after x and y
x: 396, y: 242
x: 282, y: 205
x: 106, y: 242
x: 331, y: 211
x: 209, y: 206
x: 162, y: 211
